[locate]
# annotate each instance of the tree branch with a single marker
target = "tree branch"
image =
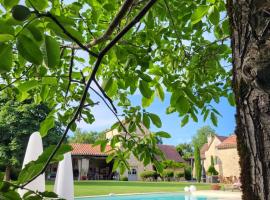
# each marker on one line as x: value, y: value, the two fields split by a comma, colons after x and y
x: 105, y: 95
x: 78, y: 110
x: 114, y: 113
x: 17, y: 79
x: 52, y: 17
x: 115, y: 22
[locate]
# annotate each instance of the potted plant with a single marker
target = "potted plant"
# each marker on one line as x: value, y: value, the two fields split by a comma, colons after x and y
x: 212, y: 172
x: 215, y: 187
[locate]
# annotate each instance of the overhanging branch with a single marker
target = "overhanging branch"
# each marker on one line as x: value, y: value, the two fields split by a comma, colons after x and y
x: 115, y: 22
x: 100, y: 56
x: 105, y: 95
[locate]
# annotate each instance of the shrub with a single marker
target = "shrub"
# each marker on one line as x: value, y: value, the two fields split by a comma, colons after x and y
x: 124, y: 178
x: 187, y: 173
x: 179, y: 174
x: 148, y: 175
x: 167, y: 175
x: 212, y: 171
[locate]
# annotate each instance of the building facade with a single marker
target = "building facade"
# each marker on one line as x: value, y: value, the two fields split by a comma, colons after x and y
x: 224, y: 152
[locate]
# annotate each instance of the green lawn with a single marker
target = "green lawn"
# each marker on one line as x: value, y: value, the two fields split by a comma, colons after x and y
x: 88, y: 188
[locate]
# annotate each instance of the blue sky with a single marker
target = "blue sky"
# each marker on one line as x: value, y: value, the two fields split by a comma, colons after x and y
x: 171, y: 123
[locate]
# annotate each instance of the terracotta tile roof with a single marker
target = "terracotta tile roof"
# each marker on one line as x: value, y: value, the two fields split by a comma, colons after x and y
x: 203, y: 149
x: 170, y: 153
x: 89, y: 149
x: 230, y: 142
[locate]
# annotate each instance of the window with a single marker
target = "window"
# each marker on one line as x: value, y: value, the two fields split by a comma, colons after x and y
x: 134, y: 171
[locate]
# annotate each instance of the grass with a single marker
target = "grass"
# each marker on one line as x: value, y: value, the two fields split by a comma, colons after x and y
x: 88, y: 188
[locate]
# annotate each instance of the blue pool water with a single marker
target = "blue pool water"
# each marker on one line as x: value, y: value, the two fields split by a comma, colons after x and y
x: 174, y: 196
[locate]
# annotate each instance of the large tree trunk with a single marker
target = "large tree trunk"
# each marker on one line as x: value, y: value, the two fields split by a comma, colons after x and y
x: 250, y: 23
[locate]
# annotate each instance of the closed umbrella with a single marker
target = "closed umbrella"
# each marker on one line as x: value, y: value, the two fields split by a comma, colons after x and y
x: 33, y: 151
x: 64, y: 184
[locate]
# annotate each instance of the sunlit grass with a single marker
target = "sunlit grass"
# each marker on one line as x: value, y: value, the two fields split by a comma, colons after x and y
x: 88, y: 188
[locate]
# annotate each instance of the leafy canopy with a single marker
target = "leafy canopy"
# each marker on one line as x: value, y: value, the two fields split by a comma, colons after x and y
x: 84, y: 137
x: 17, y: 121
x: 185, y: 150
x: 201, y: 136
x: 59, y: 52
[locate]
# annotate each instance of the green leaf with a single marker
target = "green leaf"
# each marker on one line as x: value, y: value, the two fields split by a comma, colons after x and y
x: 214, y: 15
x: 44, y: 92
x: 10, y: 195
x: 145, y: 89
x: 213, y: 118
x: 147, y: 102
x: 75, y: 33
x: 146, y: 120
x: 6, y: 37
x: 163, y: 134
x: 46, y: 125
x: 218, y: 32
x: 174, y: 97
x: 52, y: 52
x: 49, y: 194
x: 198, y: 14
x: 103, y: 145
x: 205, y: 115
x: 49, y: 81
x: 144, y: 77
x: 29, y: 50
x: 155, y: 120
x: 226, y: 27
x: 132, y: 127
x: 20, y: 13
x: 28, y: 85
x: 35, y: 32
x: 113, y: 89
x: 160, y: 92
x: 184, y: 121
x: 231, y: 99
x: 107, y: 84
x: 110, y: 158
x: 2, y: 176
x: 5, y: 57
x: 38, y: 4
x: 33, y: 168
x: 9, y: 3
x: 182, y: 105
x: 115, y: 165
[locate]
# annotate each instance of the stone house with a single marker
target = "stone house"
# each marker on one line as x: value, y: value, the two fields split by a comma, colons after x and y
x: 138, y: 167
x: 224, y: 151
x: 89, y: 163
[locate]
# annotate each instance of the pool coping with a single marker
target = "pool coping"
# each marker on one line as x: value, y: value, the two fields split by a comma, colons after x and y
x: 211, y: 193
x: 125, y: 194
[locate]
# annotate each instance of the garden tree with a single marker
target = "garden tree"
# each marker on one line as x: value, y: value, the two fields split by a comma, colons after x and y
x: 198, y: 165
x: 185, y: 150
x: 84, y: 137
x: 250, y: 45
x: 146, y: 46
x: 17, y: 121
x: 201, y: 136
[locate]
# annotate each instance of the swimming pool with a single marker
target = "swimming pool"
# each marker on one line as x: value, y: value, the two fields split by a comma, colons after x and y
x: 169, y: 196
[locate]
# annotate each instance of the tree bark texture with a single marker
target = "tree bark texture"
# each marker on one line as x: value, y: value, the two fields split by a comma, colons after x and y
x: 250, y: 34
